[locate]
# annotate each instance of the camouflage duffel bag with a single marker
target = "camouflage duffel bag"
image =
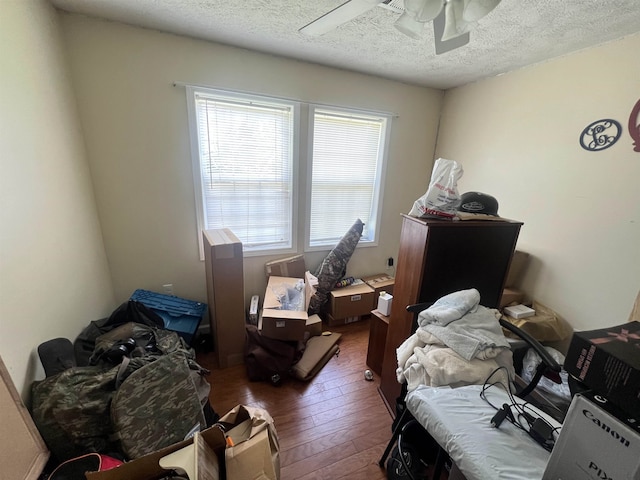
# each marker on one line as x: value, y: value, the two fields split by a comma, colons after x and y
x: 125, y: 410
x: 156, y: 406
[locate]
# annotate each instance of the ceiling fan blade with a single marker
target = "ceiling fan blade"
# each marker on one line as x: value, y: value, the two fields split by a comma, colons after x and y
x: 443, y: 46
x: 339, y: 15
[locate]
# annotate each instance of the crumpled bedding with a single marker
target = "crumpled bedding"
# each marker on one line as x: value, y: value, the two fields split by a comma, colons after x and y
x: 458, y: 342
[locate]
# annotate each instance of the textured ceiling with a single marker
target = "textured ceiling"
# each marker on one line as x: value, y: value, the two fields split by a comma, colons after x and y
x: 517, y: 33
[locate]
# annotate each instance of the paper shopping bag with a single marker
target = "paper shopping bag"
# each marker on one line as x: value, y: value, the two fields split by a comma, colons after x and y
x: 252, y: 452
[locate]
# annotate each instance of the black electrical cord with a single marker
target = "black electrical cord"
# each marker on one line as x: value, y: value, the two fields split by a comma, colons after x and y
x: 525, y: 417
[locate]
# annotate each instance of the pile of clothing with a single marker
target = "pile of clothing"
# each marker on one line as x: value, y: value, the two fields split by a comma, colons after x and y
x: 458, y: 342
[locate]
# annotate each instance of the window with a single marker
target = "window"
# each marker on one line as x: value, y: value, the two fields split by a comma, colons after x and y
x: 245, y: 167
x: 346, y: 174
x: 247, y: 151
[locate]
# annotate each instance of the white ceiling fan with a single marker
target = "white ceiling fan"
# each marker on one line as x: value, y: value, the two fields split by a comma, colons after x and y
x: 452, y: 19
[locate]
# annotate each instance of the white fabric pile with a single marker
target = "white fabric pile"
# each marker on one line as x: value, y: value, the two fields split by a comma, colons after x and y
x: 458, y: 342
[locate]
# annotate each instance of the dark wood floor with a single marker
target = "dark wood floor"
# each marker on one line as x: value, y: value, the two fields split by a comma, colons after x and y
x: 334, y: 426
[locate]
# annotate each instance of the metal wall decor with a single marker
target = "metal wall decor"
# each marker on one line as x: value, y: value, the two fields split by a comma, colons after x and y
x: 600, y: 134
x: 634, y: 126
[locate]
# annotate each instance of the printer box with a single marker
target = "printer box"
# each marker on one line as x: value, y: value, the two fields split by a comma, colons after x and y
x: 597, y: 441
x: 607, y: 361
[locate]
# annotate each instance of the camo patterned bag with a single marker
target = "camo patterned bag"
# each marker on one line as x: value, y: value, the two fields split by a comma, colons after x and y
x: 71, y: 411
x: 74, y: 409
x: 156, y: 406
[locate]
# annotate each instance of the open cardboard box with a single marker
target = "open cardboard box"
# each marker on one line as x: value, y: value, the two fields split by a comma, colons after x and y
x: 285, y: 324
x: 210, y: 444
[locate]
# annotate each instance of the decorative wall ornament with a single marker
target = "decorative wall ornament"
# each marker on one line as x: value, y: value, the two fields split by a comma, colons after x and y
x: 634, y: 126
x: 600, y: 134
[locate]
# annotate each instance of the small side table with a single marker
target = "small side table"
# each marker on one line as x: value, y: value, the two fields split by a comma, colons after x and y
x: 378, y: 326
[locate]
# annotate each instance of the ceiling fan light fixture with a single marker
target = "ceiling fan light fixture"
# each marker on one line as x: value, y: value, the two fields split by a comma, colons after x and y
x: 474, y: 10
x: 454, y: 24
x: 424, y: 10
x: 408, y: 25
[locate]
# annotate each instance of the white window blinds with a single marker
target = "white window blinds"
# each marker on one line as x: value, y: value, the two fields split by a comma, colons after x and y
x: 246, y: 167
x: 348, y: 153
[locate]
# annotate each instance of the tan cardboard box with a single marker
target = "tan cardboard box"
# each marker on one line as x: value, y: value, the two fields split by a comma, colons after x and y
x: 285, y: 324
x: 293, y: 267
x: 148, y: 467
x: 509, y: 296
x: 351, y: 301
x: 380, y: 282
x: 286, y: 329
x: 314, y: 326
x: 225, y: 294
x: 334, y: 322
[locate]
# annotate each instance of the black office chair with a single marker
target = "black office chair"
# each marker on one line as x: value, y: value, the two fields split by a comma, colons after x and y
x: 405, y: 423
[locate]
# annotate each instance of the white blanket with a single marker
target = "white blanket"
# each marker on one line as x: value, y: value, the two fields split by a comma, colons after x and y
x: 458, y: 342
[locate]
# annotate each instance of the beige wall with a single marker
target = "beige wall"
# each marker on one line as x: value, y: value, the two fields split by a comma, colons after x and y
x: 517, y: 138
x: 136, y: 133
x: 54, y: 276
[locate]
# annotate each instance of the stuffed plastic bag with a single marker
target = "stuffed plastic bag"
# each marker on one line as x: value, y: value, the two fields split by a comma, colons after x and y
x: 442, y: 197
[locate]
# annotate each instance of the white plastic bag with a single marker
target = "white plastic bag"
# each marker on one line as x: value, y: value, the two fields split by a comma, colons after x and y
x: 442, y: 197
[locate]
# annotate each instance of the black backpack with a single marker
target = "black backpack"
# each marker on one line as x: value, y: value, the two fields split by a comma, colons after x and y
x: 268, y: 359
x: 129, y: 311
x: 414, y: 451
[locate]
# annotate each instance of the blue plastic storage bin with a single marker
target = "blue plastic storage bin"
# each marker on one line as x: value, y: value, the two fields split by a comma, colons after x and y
x: 179, y: 315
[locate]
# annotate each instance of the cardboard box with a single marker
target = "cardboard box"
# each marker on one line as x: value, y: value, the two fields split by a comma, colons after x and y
x: 289, y: 331
x: 381, y: 282
x: 225, y: 294
x: 509, y: 296
x: 285, y: 329
x: 334, y: 322
x: 607, y: 361
x: 519, y: 311
x: 197, y: 461
x: 596, y: 442
x: 279, y: 323
x: 351, y: 301
x: 314, y: 326
x: 519, y: 262
x: 148, y: 467
x: 293, y: 267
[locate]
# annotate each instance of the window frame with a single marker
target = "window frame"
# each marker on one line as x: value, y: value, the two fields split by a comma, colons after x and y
x: 191, y: 92
x: 378, y: 186
x: 301, y: 168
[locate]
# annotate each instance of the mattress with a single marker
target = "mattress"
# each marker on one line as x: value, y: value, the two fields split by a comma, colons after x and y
x: 460, y: 421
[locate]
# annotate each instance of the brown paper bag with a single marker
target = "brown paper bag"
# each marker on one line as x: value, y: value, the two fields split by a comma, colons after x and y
x: 252, y: 452
x: 545, y: 326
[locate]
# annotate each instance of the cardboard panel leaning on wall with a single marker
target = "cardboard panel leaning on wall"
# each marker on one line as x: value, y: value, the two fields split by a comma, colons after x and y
x: 23, y: 453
